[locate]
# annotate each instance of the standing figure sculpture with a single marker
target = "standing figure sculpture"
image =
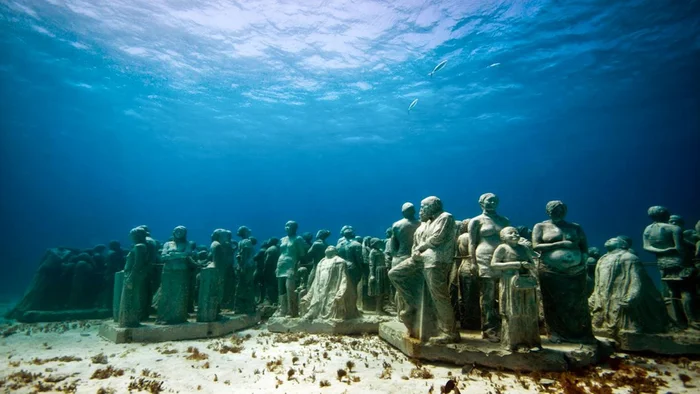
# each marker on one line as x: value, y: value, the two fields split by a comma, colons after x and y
x: 135, y: 275
x: 378, y: 275
x: 259, y: 260
x: 666, y: 242
x: 624, y: 297
x: 155, y: 270
x: 172, y: 251
x: 484, y: 238
x: 469, y: 311
x: 591, y: 261
x: 401, y: 242
x: 351, y: 251
x: 272, y: 254
x: 245, y: 270
x: 430, y: 265
x: 562, y: 274
x: 316, y: 253
x: 517, y: 292
x: 292, y: 251
x: 331, y: 296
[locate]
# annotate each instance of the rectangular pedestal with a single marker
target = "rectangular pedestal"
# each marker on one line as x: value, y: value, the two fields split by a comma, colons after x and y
x: 367, y: 324
x: 151, y: 333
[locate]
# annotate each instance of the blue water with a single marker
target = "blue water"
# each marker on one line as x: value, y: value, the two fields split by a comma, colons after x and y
x: 257, y: 112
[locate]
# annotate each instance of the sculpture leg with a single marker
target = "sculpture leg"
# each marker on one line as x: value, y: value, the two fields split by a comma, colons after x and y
x: 470, y: 312
x: 407, y: 277
x: 489, y: 314
x: 292, y: 301
x: 437, y: 278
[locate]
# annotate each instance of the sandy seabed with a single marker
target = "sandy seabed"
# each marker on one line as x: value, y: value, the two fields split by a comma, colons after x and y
x: 72, y: 358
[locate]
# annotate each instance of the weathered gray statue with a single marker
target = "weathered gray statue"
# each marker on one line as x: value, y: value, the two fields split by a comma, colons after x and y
x: 155, y: 269
x: 483, y: 239
x: 272, y: 255
x: 562, y: 274
x: 317, y: 252
x: 518, y: 292
x: 625, y: 298
x: 430, y: 264
x: 379, y: 286
x: 245, y: 271
x: 351, y: 251
x: 468, y: 308
x: 176, y: 293
x: 331, y: 295
x: 666, y: 242
x: 292, y: 250
x: 135, y: 275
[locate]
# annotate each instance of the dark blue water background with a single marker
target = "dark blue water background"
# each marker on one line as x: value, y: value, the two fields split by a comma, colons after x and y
x: 167, y: 113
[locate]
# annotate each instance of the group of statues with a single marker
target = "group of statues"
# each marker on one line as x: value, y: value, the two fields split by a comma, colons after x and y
x: 437, y: 274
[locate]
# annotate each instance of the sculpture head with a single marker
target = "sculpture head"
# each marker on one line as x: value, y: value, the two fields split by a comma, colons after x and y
x: 408, y: 211
x: 524, y: 232
x: 308, y: 237
x: 375, y: 243
x: 659, y: 214
x: 323, y: 234
x: 228, y: 236
x: 676, y: 220
x: 510, y: 236
x: 627, y: 240
x: 358, y: 238
x: 115, y: 245
x: 556, y: 210
x: 331, y: 252
x: 348, y: 232
x: 180, y: 233
x: 388, y: 232
x: 464, y: 226
x: 193, y: 245
x: 218, y: 235
x: 148, y: 231
x: 243, y: 232
x: 138, y: 235
x: 489, y: 202
x: 253, y: 241
x: 614, y: 244
x: 366, y: 240
x: 594, y: 252
x: 273, y: 241
x: 291, y: 228
x: 431, y: 207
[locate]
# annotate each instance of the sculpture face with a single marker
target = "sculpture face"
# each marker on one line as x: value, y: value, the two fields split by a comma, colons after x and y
x: 489, y: 202
x: 180, y: 233
x: 614, y: 244
x: 331, y: 252
x: 510, y: 236
x: 556, y: 211
x: 291, y: 228
x: 348, y: 233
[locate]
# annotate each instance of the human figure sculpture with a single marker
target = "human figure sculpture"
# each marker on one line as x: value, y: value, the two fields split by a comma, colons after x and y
x: 177, y: 247
x: 154, y: 272
x: 469, y: 311
x: 484, y: 237
x: 317, y: 252
x: 591, y: 261
x: 628, y: 242
x: 364, y: 299
x: 245, y: 270
x: 625, y: 298
x: 562, y: 275
x: 135, y: 274
x: 378, y: 282
x: 114, y: 262
x: 401, y: 242
x: 430, y: 262
x: 272, y: 255
x: 220, y: 259
x: 331, y: 295
x: 665, y: 240
x: 351, y: 251
x: 292, y: 251
x: 517, y: 292
x: 259, y: 260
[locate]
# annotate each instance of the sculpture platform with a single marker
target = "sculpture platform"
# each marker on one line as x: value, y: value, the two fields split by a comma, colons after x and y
x: 685, y: 342
x: 150, y: 332
x: 474, y: 350
x: 36, y: 316
x: 367, y: 324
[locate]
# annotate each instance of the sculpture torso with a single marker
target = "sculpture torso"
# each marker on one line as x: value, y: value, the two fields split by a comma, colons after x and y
x: 402, y: 237
x: 488, y: 227
x: 567, y: 260
x: 292, y: 249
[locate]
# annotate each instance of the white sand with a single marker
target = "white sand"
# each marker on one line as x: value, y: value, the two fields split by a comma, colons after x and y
x: 247, y: 371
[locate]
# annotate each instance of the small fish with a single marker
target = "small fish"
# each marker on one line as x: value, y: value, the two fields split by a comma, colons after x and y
x: 413, y: 104
x: 438, y: 68
x: 494, y: 65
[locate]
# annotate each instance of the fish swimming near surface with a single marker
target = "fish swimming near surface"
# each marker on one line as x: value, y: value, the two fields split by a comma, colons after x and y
x: 494, y: 65
x: 438, y: 68
x: 413, y: 104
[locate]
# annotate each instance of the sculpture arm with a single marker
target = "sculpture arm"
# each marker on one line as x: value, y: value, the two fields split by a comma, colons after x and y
x: 393, y: 242
x: 646, y: 245
x: 634, y: 289
x: 678, y: 240
x: 473, y: 230
x: 445, y: 231
x: 582, y: 244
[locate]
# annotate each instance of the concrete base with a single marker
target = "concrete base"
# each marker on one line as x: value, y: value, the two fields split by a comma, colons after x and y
x: 685, y: 342
x: 151, y: 332
x: 65, y: 315
x: 474, y: 350
x: 367, y: 324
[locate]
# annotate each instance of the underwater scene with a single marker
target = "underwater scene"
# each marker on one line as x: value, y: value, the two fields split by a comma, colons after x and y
x: 350, y: 196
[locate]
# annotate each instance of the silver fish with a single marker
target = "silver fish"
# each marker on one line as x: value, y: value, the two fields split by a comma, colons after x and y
x: 438, y: 67
x: 413, y: 104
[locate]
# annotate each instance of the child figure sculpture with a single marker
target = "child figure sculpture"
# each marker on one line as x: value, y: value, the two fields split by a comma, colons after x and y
x: 518, y: 293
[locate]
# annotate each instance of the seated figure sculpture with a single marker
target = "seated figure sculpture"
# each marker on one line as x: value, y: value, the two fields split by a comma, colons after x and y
x: 665, y: 240
x: 331, y: 295
x: 430, y: 263
x: 517, y: 292
x: 624, y: 297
